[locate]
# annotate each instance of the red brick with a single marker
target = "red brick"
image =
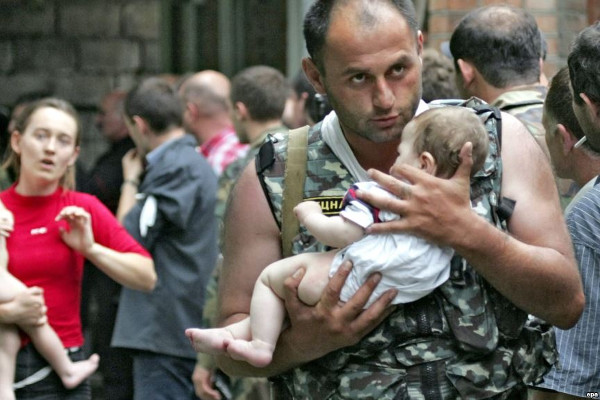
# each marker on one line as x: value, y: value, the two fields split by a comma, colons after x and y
x: 514, y: 3
x: 435, y: 5
x: 541, y: 4
x: 462, y: 4
x: 547, y: 23
x: 439, y: 24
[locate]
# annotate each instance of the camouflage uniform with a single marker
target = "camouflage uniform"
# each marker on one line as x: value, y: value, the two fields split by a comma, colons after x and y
x: 527, y: 104
x: 464, y: 340
x: 247, y: 388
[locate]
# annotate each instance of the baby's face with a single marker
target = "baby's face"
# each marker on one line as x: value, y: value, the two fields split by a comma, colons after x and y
x: 406, y: 152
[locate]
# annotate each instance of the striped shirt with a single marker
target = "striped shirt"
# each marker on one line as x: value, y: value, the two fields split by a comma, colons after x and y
x: 578, y: 371
x: 222, y: 149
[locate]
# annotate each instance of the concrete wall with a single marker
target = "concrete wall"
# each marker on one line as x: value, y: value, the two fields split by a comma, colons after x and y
x: 77, y: 50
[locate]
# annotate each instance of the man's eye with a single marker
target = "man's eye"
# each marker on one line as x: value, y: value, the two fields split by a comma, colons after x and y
x: 398, y: 70
x: 360, y: 78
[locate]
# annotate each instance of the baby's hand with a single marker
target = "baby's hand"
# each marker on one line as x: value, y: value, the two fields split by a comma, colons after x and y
x: 307, y: 208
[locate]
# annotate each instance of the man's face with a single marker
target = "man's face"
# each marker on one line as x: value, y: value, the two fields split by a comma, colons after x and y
x: 372, y: 74
x: 110, y: 120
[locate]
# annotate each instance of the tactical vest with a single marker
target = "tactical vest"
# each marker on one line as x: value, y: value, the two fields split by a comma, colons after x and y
x: 463, y: 340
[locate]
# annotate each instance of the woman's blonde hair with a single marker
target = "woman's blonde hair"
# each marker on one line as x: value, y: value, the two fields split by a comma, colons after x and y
x: 13, y: 160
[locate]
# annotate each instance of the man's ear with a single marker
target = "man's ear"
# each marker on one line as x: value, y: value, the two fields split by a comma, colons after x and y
x: 313, y: 74
x: 593, y: 107
x: 192, y: 110
x: 427, y: 163
x: 567, y: 139
x: 140, y: 124
x: 420, y: 41
x: 240, y: 110
x: 466, y: 70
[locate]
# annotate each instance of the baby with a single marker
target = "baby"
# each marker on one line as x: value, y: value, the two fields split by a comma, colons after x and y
x: 44, y: 338
x: 432, y: 142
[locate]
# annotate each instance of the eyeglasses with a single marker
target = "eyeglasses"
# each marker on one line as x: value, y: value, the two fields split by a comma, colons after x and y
x: 580, y: 142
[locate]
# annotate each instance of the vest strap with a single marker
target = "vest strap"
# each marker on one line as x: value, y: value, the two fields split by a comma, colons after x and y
x: 293, y: 186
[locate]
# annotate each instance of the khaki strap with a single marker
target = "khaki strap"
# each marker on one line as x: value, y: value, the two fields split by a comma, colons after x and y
x: 293, y: 186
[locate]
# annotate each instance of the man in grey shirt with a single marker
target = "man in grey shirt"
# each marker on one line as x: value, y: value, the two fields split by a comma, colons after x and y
x: 168, y: 206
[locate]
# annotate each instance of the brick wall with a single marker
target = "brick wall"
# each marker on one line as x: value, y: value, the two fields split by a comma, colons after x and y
x: 77, y: 50
x: 560, y: 20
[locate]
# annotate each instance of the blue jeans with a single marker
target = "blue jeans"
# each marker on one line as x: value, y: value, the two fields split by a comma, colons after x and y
x: 30, y: 361
x: 162, y: 377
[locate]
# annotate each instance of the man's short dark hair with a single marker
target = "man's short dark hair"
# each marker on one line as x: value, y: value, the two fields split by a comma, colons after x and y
x: 558, y: 103
x: 156, y: 101
x: 502, y: 42
x: 263, y: 90
x: 438, y: 77
x: 316, y: 24
x: 584, y: 64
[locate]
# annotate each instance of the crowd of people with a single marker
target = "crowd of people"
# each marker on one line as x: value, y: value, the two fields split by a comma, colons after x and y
x: 393, y: 222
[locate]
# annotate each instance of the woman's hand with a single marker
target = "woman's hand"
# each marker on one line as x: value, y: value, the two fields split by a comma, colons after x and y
x: 79, y: 236
x: 26, y: 308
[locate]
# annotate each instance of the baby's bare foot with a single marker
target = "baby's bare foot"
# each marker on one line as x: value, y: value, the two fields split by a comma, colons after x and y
x: 209, y: 341
x: 79, y: 371
x: 256, y: 352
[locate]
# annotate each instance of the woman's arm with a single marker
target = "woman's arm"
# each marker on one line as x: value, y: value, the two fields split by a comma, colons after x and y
x: 132, y: 270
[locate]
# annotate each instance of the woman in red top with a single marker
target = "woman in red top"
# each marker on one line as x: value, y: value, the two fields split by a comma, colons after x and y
x: 55, y: 228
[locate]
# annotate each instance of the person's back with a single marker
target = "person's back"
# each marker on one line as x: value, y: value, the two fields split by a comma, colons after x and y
x: 171, y: 213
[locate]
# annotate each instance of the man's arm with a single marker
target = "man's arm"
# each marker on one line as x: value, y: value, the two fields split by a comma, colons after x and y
x: 533, y: 266
x: 251, y: 242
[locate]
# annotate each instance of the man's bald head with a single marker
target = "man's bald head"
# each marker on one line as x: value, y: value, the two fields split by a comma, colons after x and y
x: 209, y: 89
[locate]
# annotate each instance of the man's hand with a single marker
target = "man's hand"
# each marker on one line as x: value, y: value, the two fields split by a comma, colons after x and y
x: 132, y: 166
x: 335, y: 324
x: 203, y: 386
x: 26, y: 308
x: 430, y: 207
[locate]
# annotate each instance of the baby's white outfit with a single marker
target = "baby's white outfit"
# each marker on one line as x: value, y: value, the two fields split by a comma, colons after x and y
x: 407, y: 263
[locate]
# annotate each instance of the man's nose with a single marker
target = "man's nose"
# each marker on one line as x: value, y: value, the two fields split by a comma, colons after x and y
x: 383, y: 96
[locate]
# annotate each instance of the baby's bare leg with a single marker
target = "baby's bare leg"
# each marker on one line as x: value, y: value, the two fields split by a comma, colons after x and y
x: 9, y: 347
x: 267, y: 309
x: 47, y: 342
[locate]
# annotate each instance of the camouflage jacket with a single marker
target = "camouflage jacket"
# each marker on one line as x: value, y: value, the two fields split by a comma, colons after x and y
x: 526, y: 104
x: 463, y: 340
